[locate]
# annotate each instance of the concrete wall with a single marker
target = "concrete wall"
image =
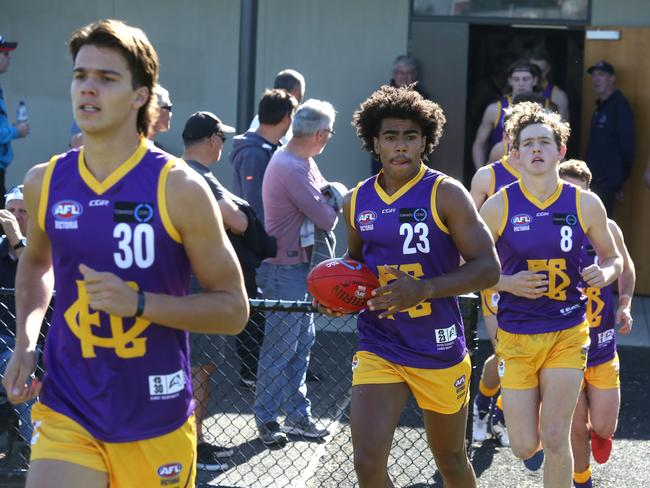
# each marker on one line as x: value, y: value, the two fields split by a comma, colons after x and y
x: 620, y: 12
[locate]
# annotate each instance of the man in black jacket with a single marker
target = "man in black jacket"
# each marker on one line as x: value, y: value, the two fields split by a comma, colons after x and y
x: 610, y: 153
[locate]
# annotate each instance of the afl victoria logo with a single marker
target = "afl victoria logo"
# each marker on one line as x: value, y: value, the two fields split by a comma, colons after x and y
x: 67, y: 210
x: 170, y: 470
x: 521, y: 219
x: 367, y: 217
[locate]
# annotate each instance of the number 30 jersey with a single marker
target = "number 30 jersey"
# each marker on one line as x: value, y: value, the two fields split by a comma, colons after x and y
x: 404, y: 231
x: 547, y: 238
x: 121, y: 378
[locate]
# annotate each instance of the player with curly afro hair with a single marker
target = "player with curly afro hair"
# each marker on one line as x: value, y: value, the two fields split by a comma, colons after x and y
x: 398, y: 103
x: 525, y: 114
x: 410, y: 225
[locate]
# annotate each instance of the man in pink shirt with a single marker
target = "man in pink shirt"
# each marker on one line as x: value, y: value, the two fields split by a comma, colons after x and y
x: 290, y: 194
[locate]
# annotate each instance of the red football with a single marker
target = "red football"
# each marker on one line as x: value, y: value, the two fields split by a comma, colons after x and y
x: 342, y: 284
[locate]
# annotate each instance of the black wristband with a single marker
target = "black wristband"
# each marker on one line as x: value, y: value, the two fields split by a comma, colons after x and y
x: 140, y: 310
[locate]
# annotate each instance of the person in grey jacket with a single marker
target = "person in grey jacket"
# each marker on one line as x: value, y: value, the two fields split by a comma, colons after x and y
x: 253, y: 149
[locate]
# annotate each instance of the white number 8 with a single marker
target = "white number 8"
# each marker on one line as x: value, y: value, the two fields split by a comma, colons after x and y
x: 566, y: 243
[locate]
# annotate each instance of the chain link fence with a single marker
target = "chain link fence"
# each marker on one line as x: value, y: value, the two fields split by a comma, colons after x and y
x: 228, y: 419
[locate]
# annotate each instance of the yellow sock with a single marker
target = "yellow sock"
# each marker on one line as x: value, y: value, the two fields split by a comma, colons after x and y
x: 500, y: 402
x: 582, y: 477
x: 485, y: 391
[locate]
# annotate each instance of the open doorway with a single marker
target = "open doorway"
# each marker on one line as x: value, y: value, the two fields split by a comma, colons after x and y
x: 492, y: 48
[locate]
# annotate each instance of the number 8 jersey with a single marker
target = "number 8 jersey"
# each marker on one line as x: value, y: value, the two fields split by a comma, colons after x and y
x: 123, y: 379
x: 547, y: 238
x: 404, y: 231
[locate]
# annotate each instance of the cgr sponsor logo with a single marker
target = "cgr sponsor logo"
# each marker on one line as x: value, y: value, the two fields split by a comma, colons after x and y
x: 98, y: 203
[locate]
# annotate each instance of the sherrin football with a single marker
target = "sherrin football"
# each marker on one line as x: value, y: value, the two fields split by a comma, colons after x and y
x: 342, y: 284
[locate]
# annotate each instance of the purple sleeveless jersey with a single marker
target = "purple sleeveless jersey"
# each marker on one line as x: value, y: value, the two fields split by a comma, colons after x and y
x: 123, y: 379
x: 403, y: 230
x: 497, y: 131
x: 502, y: 174
x: 600, y: 315
x: 545, y: 237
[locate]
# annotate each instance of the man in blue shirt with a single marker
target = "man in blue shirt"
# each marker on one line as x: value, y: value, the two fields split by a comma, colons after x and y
x: 610, y: 153
x: 7, y: 132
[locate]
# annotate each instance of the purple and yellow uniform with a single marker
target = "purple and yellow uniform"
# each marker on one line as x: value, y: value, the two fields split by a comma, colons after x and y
x: 118, y: 381
x: 547, y: 92
x: 550, y: 331
x: 496, y: 136
x: 502, y: 175
x: 602, y: 359
x: 424, y: 345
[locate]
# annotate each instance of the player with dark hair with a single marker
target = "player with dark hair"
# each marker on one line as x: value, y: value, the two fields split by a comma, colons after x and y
x: 596, y: 414
x: 539, y: 225
x: 549, y: 90
x: 410, y: 225
x: 117, y: 226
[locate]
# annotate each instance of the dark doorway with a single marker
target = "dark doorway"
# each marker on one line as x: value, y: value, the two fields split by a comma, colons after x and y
x: 493, y: 48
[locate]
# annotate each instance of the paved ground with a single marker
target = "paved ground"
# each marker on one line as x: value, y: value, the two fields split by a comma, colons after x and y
x: 329, y: 464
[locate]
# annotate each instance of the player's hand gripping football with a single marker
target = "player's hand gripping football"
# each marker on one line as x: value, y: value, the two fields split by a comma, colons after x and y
x: 15, y: 380
x: 326, y: 311
x: 403, y: 293
x: 109, y: 293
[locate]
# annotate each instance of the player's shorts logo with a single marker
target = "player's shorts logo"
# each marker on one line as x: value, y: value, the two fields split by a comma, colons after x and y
x: 170, y: 473
x: 502, y: 368
x: 355, y: 362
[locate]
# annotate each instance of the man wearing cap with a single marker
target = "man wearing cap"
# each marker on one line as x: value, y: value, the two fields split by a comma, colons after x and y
x: 13, y: 219
x: 7, y: 132
x: 610, y: 152
x: 203, y: 138
x: 164, y: 118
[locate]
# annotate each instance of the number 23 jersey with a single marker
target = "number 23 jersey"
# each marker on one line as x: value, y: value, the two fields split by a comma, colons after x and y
x: 404, y: 231
x: 546, y: 238
x: 122, y: 378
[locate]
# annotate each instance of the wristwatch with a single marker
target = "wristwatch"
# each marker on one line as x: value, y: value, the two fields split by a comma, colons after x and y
x: 21, y: 243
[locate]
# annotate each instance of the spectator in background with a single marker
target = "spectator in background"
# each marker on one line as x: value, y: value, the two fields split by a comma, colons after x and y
x: 610, y: 152
x: 203, y: 138
x: 7, y: 132
x: 164, y: 119
x: 294, y: 83
x: 291, y: 192
x: 12, y: 242
x: 405, y: 72
x: 522, y: 78
x: 540, y: 58
x: 253, y: 149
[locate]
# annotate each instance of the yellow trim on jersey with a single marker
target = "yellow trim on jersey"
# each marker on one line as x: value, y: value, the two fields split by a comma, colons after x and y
x: 389, y: 199
x: 493, y: 185
x: 536, y: 201
x: 100, y: 187
x: 45, y: 191
x: 495, y: 123
x: 509, y: 168
x: 353, y: 204
x: 434, y: 210
x: 504, y: 217
x: 579, y: 210
x: 162, y: 202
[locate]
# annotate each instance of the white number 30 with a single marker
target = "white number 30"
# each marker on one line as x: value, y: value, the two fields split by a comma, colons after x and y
x: 136, y: 245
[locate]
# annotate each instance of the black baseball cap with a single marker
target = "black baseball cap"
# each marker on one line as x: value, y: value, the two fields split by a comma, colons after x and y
x: 6, y: 46
x: 204, y: 124
x: 602, y: 66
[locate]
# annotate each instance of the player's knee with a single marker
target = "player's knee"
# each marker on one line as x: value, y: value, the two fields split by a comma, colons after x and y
x: 579, y: 430
x: 452, y: 465
x: 523, y: 448
x: 554, y: 438
x: 604, y: 428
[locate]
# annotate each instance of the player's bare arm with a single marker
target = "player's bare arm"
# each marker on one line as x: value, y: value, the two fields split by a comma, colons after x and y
x: 233, y: 219
x: 34, y: 286
x: 525, y: 283
x: 223, y: 306
x: 479, y: 147
x: 354, y: 240
x: 472, y: 239
x: 610, y: 262
x: 481, y: 187
x: 561, y: 100
x: 626, y: 282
